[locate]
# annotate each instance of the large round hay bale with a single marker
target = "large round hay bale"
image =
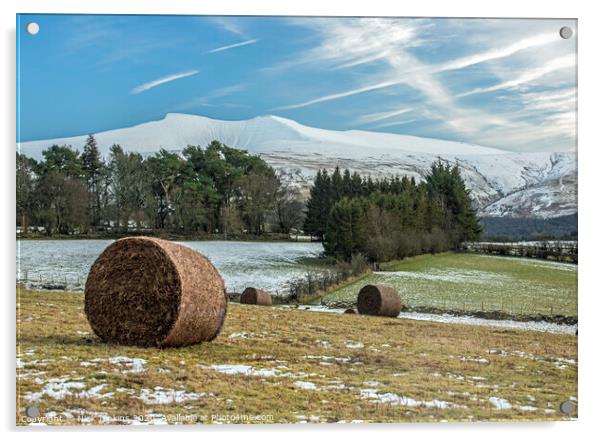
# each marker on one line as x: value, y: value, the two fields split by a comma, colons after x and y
x: 380, y: 300
x: 151, y: 292
x: 258, y: 297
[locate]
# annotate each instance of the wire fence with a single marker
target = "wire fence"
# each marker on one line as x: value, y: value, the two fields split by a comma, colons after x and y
x: 72, y: 283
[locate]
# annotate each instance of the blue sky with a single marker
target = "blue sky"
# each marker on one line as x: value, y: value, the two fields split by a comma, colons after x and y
x: 509, y: 84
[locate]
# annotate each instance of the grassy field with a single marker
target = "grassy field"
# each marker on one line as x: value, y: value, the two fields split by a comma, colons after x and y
x: 474, y: 282
x: 274, y: 365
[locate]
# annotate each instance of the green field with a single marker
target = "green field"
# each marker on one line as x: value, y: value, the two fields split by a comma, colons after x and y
x: 288, y: 366
x: 471, y: 282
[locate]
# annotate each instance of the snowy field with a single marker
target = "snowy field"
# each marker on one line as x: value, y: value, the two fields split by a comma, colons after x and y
x: 264, y: 265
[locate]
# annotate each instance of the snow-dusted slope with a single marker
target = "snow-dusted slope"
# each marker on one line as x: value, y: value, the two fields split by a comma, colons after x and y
x: 541, y: 184
x: 259, y: 135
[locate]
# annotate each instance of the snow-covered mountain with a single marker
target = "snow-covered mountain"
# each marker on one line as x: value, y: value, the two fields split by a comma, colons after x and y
x: 503, y: 183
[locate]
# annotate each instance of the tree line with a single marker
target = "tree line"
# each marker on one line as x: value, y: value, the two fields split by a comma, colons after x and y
x: 391, y: 218
x: 221, y: 190
x: 215, y: 189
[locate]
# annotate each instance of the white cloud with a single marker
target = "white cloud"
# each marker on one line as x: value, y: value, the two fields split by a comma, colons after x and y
x: 206, y: 100
x: 157, y: 82
x: 374, y: 117
x: 494, y: 54
x: 229, y: 25
x: 338, y: 95
x: 395, y: 123
x: 537, y: 103
x: 232, y: 46
x: 564, y: 62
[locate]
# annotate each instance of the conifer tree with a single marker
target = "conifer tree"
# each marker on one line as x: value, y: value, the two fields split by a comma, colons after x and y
x: 346, y: 228
x: 357, y: 189
x: 318, y: 205
x: 336, y: 184
x: 92, y: 167
x: 347, y: 184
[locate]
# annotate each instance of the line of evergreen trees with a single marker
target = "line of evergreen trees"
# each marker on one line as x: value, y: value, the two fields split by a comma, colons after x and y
x: 391, y: 218
x: 209, y: 190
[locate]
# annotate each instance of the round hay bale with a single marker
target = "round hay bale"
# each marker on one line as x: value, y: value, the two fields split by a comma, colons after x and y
x: 150, y: 292
x: 350, y: 311
x: 379, y: 300
x: 258, y: 297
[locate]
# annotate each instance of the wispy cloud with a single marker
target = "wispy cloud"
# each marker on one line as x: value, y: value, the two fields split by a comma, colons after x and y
x: 400, y: 54
x: 392, y: 55
x: 230, y: 25
x: 348, y: 43
x: 395, y: 123
x: 339, y: 95
x: 165, y: 79
x: 374, y: 117
x: 232, y: 46
x: 498, y: 53
x: 206, y: 100
x: 564, y: 62
x: 104, y: 36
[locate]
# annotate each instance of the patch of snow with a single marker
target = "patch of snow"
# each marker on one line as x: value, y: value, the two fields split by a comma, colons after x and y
x: 373, y: 383
x: 31, y: 373
x: 39, y: 362
x: 395, y: 399
x: 242, y: 335
x: 136, y: 365
x: 449, y: 275
x: 61, y: 388
x: 500, y: 403
x: 456, y: 376
x: 305, y: 385
x: 164, y: 396
x: 474, y: 359
x: 328, y: 358
x: 526, y: 408
x: 323, y: 343
x: 252, y: 371
x: 539, y: 326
